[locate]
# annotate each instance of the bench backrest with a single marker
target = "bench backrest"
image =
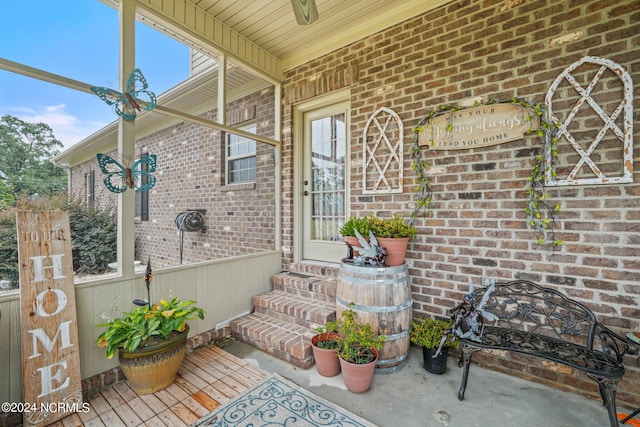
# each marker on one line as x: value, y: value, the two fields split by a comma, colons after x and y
x: 524, y: 305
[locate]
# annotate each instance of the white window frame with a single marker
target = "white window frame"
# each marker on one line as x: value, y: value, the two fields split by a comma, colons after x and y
x: 229, y: 158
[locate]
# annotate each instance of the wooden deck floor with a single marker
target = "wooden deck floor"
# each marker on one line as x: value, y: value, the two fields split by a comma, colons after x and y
x: 208, y: 378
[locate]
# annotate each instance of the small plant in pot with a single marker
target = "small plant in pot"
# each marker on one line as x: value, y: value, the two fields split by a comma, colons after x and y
x: 429, y: 334
x: 150, y: 340
x: 348, y: 231
x: 393, y: 234
x: 358, y: 351
x: 325, y: 346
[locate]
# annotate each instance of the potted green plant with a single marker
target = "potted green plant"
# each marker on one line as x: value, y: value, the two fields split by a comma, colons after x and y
x: 393, y: 234
x: 325, y: 346
x: 428, y: 333
x: 358, y: 351
x: 353, y: 224
x: 150, y: 340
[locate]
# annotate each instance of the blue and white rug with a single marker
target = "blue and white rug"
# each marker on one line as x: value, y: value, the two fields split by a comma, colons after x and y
x: 279, y: 402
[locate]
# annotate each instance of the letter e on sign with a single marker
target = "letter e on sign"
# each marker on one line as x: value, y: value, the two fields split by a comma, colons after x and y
x: 50, y: 353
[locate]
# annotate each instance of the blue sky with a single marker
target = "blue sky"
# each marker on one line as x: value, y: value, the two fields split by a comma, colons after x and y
x: 77, y: 39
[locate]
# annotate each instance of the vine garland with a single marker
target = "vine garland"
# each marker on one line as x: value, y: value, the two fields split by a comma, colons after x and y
x: 541, y: 214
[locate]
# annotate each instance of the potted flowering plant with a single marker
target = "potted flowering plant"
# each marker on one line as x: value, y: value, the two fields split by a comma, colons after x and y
x: 151, y: 340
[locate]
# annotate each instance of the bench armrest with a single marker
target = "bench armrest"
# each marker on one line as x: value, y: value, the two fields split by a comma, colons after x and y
x: 612, y: 343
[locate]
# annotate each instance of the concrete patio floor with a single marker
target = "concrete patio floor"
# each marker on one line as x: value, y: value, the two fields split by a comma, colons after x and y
x: 414, y: 397
x: 213, y: 375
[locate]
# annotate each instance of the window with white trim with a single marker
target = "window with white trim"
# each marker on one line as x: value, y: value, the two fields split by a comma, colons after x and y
x: 142, y: 197
x: 241, y: 157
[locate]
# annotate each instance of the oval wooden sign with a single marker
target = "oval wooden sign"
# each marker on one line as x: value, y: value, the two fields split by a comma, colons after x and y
x: 478, y: 127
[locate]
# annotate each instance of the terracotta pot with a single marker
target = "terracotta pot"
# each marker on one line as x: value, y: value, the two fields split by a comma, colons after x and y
x: 356, y: 377
x: 153, y: 368
x: 396, y: 249
x: 327, y: 362
x: 437, y: 365
x: 353, y: 241
x: 355, y: 244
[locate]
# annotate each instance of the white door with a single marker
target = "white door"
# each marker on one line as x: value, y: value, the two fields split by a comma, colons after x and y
x: 325, y: 184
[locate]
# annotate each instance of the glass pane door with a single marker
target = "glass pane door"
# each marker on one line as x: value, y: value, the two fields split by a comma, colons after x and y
x: 325, y: 189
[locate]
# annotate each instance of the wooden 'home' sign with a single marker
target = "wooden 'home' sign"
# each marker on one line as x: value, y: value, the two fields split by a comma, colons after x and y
x: 478, y: 127
x: 50, y: 352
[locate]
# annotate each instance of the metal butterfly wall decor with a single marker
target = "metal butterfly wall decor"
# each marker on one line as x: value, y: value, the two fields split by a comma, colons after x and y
x: 135, y: 98
x: 120, y: 177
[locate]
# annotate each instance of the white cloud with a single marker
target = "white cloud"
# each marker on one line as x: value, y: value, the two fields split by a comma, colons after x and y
x: 66, y: 127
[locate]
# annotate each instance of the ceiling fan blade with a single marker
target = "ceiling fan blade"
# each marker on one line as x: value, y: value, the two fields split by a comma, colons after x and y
x: 305, y: 11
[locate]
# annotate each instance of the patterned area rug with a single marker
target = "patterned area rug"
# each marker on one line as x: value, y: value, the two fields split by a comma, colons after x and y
x: 279, y: 402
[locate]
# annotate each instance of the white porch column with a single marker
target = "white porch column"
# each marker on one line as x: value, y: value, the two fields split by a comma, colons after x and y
x: 222, y: 89
x: 126, y: 141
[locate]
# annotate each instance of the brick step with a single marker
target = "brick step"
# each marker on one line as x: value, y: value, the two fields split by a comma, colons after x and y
x: 285, y: 340
x: 317, y: 269
x: 306, y: 312
x: 307, y: 286
x: 284, y: 319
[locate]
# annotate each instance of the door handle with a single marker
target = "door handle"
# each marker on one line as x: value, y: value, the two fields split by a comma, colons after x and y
x: 306, y: 193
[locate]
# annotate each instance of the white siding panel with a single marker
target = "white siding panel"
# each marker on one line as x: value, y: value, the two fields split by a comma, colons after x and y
x: 10, y: 359
x: 179, y: 12
x: 242, y: 47
x: 200, y: 21
x: 217, y: 31
x: 224, y: 288
x: 168, y: 7
x: 209, y: 27
x: 190, y: 16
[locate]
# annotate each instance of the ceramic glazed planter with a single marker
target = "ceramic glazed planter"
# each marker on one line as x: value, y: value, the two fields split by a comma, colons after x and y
x: 396, y: 249
x: 357, y: 378
x: 153, y: 368
x: 437, y: 365
x: 327, y: 362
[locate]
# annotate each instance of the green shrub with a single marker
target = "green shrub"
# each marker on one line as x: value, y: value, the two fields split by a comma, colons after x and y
x: 8, y: 247
x: 356, y: 338
x: 355, y: 223
x: 393, y: 227
x: 427, y: 332
x: 93, y: 236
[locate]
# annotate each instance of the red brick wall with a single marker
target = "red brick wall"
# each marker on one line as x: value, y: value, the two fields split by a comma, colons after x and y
x: 477, y: 226
x: 190, y: 175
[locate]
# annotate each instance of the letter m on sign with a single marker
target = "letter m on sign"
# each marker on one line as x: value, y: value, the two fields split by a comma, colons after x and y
x: 50, y: 352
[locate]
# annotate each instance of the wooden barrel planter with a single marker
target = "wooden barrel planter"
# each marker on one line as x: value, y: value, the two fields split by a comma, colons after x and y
x: 382, y: 297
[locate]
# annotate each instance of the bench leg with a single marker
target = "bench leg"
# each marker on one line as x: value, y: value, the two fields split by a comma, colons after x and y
x: 465, y: 362
x: 608, y: 392
x: 630, y: 416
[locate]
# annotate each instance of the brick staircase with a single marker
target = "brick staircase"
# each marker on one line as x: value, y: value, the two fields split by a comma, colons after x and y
x: 283, y: 320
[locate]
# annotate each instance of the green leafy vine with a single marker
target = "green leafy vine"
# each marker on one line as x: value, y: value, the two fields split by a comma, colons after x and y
x: 541, y: 214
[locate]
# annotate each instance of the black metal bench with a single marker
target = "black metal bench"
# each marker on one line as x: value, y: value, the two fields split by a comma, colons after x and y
x: 542, y: 322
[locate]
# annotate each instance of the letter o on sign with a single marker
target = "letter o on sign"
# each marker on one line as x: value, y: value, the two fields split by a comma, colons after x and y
x: 61, y: 299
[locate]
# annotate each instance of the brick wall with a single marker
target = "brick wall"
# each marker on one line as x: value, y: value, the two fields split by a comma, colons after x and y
x: 477, y: 226
x: 191, y: 175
